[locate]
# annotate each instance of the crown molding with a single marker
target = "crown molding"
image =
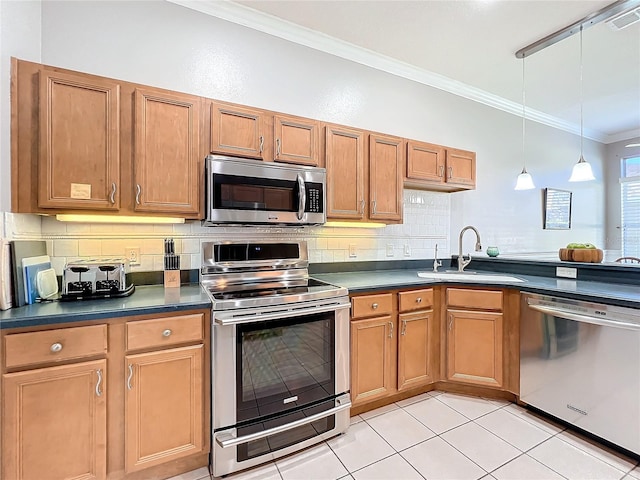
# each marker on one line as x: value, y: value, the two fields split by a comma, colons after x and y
x: 269, y: 24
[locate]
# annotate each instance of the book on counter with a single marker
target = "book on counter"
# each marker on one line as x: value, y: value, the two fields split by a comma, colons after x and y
x: 31, y: 266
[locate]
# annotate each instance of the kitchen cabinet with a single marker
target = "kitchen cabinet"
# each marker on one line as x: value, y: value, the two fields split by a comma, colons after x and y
x: 250, y: 132
x: 164, y: 418
x: 89, y: 144
x: 167, y: 152
x: 391, y: 352
x: 345, y: 162
x: 386, y: 155
x: 79, y: 159
x: 55, y: 417
x: 474, y: 336
x: 434, y: 167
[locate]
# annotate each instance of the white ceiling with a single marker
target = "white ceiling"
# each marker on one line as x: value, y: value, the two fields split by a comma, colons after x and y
x: 468, y: 47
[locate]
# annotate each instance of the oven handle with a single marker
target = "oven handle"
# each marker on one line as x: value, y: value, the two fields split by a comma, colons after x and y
x: 227, y: 439
x: 558, y: 312
x: 230, y: 319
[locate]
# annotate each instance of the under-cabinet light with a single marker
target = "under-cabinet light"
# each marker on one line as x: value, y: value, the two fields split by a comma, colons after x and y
x: 115, y: 219
x: 355, y: 224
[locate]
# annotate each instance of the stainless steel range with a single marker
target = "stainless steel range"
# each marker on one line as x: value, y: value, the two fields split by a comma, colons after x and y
x: 280, y: 353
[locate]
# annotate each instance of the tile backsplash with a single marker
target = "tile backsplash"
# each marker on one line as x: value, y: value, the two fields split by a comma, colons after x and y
x: 426, y: 223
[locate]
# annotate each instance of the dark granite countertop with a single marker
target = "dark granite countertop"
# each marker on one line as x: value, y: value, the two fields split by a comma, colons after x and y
x: 145, y: 300
x: 627, y: 295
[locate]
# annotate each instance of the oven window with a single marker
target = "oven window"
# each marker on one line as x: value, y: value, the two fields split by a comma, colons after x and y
x: 246, y: 193
x: 284, y: 365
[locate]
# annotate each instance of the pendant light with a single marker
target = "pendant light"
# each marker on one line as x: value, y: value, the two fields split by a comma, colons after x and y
x: 524, y: 181
x: 582, y: 170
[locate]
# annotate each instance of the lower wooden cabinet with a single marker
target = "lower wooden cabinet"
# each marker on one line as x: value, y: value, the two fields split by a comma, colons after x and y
x: 163, y: 405
x: 414, y: 349
x: 55, y: 423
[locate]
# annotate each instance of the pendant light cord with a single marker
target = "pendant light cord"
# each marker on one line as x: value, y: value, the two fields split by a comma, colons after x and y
x: 581, y: 100
x: 524, y: 161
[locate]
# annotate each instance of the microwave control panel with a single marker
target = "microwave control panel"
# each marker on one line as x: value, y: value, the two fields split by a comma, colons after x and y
x: 314, y: 198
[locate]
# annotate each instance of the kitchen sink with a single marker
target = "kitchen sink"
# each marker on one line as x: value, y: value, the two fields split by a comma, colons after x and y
x: 470, y: 276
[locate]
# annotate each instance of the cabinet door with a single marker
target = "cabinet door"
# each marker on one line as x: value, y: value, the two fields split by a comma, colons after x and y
x: 414, y: 368
x: 461, y: 168
x: 372, y: 358
x: 55, y: 423
x: 163, y: 406
x: 167, y: 153
x: 79, y: 163
x: 237, y: 130
x: 385, y: 178
x: 425, y: 162
x: 345, y: 173
x: 297, y: 140
x: 474, y: 347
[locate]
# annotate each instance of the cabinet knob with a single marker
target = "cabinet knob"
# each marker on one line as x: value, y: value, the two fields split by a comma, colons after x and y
x: 56, y: 347
x: 374, y: 305
x: 419, y: 300
x: 166, y: 333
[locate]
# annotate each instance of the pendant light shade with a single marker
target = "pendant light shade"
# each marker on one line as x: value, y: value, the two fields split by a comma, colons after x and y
x: 524, y: 181
x: 582, y: 171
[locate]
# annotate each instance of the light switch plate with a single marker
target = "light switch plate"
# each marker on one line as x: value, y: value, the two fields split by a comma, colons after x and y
x: 407, y: 250
x: 389, y: 249
x: 353, y: 252
x: 566, y: 272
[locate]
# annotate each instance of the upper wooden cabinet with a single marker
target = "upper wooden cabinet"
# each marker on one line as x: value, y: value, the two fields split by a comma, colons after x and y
x: 261, y: 134
x: 237, y: 130
x: 167, y: 153
x: 434, y: 167
x: 345, y: 154
x: 79, y: 164
x: 386, y: 155
x: 84, y: 144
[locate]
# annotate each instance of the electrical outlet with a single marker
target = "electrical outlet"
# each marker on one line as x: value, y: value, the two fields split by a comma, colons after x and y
x: 389, y: 250
x: 407, y: 250
x: 133, y: 255
x: 566, y: 272
x: 353, y: 250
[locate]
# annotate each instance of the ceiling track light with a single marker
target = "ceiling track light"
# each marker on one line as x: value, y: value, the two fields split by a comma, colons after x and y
x: 582, y: 170
x: 524, y: 181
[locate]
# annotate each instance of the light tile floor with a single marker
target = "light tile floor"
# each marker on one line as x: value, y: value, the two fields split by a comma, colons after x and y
x: 447, y: 436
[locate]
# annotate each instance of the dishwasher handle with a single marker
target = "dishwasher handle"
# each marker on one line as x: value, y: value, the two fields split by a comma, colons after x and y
x: 561, y: 313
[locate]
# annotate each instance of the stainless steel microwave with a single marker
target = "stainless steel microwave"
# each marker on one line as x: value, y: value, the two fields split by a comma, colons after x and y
x: 252, y: 192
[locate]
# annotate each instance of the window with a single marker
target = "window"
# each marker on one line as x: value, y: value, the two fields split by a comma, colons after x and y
x: 630, y: 190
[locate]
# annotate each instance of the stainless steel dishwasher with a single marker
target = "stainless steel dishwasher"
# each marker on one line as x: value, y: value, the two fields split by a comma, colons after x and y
x: 580, y: 362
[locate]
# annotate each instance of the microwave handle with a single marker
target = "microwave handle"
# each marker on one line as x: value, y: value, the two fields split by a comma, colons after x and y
x: 302, y: 196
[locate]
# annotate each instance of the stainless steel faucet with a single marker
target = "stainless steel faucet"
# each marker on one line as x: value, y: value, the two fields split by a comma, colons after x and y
x: 461, y: 261
x: 436, y: 263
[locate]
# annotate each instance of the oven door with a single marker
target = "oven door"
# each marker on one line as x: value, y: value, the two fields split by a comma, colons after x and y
x: 251, y: 191
x: 280, y: 381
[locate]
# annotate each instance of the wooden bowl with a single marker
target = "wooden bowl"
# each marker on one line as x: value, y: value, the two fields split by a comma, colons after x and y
x: 584, y: 255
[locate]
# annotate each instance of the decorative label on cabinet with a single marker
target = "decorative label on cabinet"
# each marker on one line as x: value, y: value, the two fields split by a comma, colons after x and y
x: 81, y: 190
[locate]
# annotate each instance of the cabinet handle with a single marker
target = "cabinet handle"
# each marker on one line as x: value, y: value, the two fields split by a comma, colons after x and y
x: 56, y: 347
x: 419, y: 300
x: 361, y: 206
x: 450, y: 322
x: 112, y: 198
x: 98, y: 391
x: 374, y: 305
x: 373, y: 207
x: 390, y: 329
x: 167, y: 333
x: 138, y: 191
x: 441, y: 171
x: 261, y: 143
x: 129, y: 386
x: 450, y: 172
x: 277, y: 147
x: 404, y: 327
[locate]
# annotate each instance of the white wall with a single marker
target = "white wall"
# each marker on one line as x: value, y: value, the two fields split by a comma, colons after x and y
x: 165, y: 45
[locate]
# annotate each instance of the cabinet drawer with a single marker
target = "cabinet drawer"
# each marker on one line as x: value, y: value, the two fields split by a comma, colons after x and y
x: 467, y: 298
x: 161, y: 332
x: 415, y: 300
x: 55, y: 345
x: 369, y: 305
